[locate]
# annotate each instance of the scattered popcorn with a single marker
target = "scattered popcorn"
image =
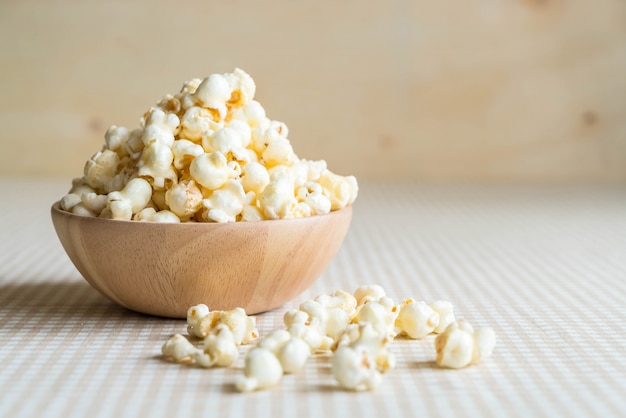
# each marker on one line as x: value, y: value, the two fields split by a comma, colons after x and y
x: 262, y: 370
x: 202, y: 151
x: 364, y: 335
x: 220, y: 348
x: 353, y: 331
x: 445, y: 310
x: 354, y: 369
x: 201, y: 322
x: 381, y: 314
x: 364, y: 294
x: 179, y: 349
x: 459, y: 345
x: 416, y: 319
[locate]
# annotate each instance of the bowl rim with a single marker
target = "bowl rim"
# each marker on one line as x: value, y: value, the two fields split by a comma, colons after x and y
x: 56, y: 209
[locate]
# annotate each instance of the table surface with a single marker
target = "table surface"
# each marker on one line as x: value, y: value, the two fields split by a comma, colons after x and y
x: 544, y: 266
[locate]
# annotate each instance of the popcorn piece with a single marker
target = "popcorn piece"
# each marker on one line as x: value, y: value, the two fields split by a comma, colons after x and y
x: 179, y: 349
x: 184, y: 153
x: 275, y: 341
x: 459, y: 345
x: 225, y: 140
x: 336, y: 323
x: 338, y: 299
x: 254, y: 178
x: 290, y: 350
x: 243, y: 326
x: 252, y: 113
x: 242, y: 86
x: 261, y: 370
x: 213, y: 91
x: 364, y: 335
x: 341, y: 191
x: 366, y: 293
x: 130, y: 200
x: 220, y: 348
x: 243, y: 129
x: 381, y: 314
x: 150, y: 214
x: 277, y: 199
x: 160, y: 127
x: 201, y: 322
x: 312, y: 195
x: 115, y: 138
x: 100, y: 169
x: 309, y: 335
x: 416, y: 319
x: 210, y: 170
x: 156, y: 164
x: 225, y: 203
x: 196, y: 123
x: 293, y: 354
x: 445, y: 310
x: 93, y: 201
x: 354, y: 369
x: 184, y: 199
x: 278, y: 151
x: 251, y: 212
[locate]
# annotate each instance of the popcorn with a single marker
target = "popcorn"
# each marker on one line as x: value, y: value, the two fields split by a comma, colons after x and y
x: 115, y: 138
x: 156, y: 164
x: 213, y: 92
x: 184, y: 199
x: 254, y: 177
x: 160, y: 128
x: 459, y: 345
x: 364, y: 335
x: 242, y: 87
x: 211, y: 132
x: 277, y: 199
x: 445, y: 310
x: 150, y: 214
x: 225, y: 203
x: 366, y: 293
x: 210, y: 170
x: 262, y: 370
x: 184, y: 153
x: 220, y: 348
x: 100, y: 168
x: 133, y: 198
x: 179, y: 349
x: 197, y: 122
x: 416, y: 319
x: 357, y: 329
x: 293, y: 354
x: 252, y: 113
x: 201, y: 322
x: 381, y: 314
x: 354, y: 369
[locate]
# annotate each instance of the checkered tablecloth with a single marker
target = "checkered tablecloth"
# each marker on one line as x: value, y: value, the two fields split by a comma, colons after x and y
x: 544, y: 266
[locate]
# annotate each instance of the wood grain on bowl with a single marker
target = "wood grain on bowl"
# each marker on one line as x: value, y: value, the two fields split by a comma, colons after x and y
x: 163, y: 269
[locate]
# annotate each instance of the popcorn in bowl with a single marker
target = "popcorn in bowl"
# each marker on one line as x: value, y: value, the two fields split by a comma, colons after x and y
x: 206, y: 154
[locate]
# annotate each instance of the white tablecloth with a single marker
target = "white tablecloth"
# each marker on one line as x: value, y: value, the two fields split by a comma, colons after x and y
x: 545, y: 267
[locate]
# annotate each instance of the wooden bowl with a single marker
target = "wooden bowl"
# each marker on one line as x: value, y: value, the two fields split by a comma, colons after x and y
x: 163, y: 269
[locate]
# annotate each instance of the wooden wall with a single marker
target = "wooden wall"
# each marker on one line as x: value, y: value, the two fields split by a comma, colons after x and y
x: 483, y: 90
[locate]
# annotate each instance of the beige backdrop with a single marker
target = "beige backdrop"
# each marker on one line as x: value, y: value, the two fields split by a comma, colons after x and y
x: 484, y: 90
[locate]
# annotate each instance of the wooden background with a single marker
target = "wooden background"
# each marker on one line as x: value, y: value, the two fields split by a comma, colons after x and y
x: 475, y: 91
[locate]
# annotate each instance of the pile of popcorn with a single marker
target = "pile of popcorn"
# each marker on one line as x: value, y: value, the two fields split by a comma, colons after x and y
x: 353, y: 330
x: 206, y: 154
